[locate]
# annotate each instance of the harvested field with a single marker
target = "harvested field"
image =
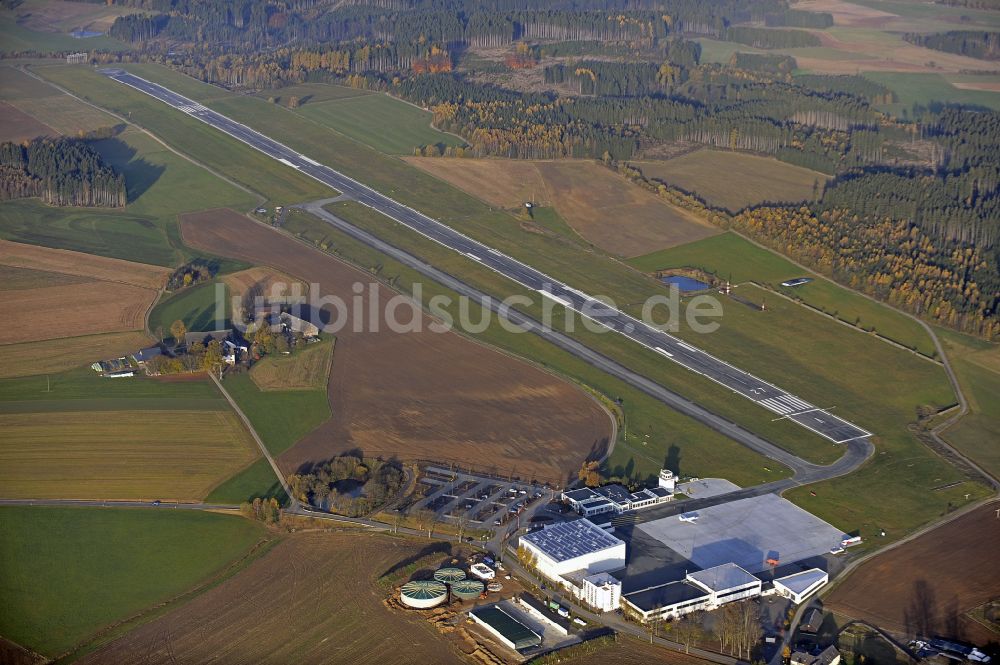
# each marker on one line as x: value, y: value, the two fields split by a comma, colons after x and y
x: 419, y: 395
x: 600, y: 206
x: 85, y: 265
x: 63, y: 17
x: 63, y: 293
x: 18, y: 126
x: 928, y: 585
x: 56, y: 355
x: 133, y: 454
x: 848, y: 13
x: 307, y: 369
x: 734, y: 180
x: 332, y: 611
x: 62, y: 311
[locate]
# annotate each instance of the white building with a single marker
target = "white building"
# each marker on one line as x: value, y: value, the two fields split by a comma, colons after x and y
x: 726, y: 583
x: 589, y: 502
x: 668, y: 480
x: 602, y: 592
x: 800, y: 586
x: 579, y: 545
x: 707, y: 589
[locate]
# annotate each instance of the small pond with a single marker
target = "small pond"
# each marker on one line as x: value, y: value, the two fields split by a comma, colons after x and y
x: 684, y: 284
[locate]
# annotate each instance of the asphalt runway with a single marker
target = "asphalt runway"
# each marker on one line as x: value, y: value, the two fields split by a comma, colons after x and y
x: 767, y: 395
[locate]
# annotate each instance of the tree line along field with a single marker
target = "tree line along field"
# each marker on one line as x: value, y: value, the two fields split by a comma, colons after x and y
x: 419, y: 395
x: 71, y: 572
x: 734, y: 180
x: 557, y: 257
x: 730, y: 257
x: 77, y: 435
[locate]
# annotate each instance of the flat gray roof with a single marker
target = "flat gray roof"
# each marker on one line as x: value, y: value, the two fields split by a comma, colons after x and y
x: 568, y: 540
x: 747, y: 532
x: 665, y: 595
x: 800, y: 582
x: 726, y: 576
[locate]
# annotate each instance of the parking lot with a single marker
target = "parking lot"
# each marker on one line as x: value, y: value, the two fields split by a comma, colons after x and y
x: 477, y: 499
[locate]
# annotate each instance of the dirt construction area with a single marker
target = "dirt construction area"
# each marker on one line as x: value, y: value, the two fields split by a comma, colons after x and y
x: 312, y: 599
x: 929, y: 585
x: 602, y: 207
x: 418, y: 395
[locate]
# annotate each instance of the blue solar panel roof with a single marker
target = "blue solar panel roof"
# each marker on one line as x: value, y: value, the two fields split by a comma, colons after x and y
x: 568, y: 540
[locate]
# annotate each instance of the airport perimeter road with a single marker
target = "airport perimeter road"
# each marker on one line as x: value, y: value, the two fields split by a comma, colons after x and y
x: 767, y: 395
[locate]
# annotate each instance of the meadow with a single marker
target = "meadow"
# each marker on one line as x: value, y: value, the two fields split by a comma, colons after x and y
x: 386, y: 124
x: 926, y: 88
x: 197, y: 306
x: 16, y: 38
x: 280, y: 417
x: 255, y: 481
x: 71, y: 572
x: 731, y: 257
x: 308, y: 368
x: 733, y: 180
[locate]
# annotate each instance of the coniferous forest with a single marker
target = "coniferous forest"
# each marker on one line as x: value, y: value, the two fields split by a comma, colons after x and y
x: 911, y: 214
x: 63, y: 172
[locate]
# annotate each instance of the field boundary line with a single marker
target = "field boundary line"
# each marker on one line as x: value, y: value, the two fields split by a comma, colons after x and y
x: 260, y: 197
x: 293, y: 503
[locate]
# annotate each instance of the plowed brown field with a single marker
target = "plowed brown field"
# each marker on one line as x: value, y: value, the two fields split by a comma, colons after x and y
x: 18, y: 126
x: 419, y: 395
x: 926, y: 586
x: 85, y: 265
x: 311, y: 599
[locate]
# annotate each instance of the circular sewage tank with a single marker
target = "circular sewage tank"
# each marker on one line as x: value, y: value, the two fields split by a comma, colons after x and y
x: 467, y: 589
x: 449, y: 575
x: 423, y: 594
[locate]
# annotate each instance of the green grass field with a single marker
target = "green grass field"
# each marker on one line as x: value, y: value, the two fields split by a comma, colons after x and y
x: 161, y: 185
x: 196, y: 306
x: 257, y: 480
x: 15, y: 38
x: 217, y: 151
x: 280, y: 417
x: 389, y: 125
x: 311, y: 93
x: 69, y: 572
x: 728, y: 256
x: 925, y: 88
x: 735, y: 180
x: 85, y: 384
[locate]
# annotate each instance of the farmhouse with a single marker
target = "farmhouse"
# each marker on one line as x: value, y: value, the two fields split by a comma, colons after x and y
x: 801, y: 585
x: 568, y: 547
x: 143, y: 356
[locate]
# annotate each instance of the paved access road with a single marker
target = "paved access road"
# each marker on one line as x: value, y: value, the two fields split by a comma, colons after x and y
x: 779, y: 401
